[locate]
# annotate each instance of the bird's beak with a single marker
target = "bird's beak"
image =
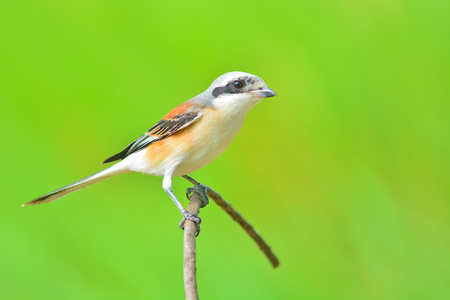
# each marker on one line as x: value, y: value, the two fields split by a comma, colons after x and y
x: 264, y: 92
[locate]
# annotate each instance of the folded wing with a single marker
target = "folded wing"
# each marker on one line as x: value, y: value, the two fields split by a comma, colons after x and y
x: 180, y: 117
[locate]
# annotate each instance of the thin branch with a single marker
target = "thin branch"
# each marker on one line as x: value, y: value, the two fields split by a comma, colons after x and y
x: 238, y: 218
x: 245, y: 225
x: 190, y: 233
x: 198, y: 199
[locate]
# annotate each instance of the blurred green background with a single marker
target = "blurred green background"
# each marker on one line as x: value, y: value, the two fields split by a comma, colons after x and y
x: 345, y: 174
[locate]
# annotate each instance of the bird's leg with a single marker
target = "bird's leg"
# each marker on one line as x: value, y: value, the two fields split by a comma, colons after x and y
x: 191, y: 180
x: 167, y: 186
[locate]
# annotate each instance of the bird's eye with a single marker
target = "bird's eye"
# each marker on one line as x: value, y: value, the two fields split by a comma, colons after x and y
x: 238, y: 84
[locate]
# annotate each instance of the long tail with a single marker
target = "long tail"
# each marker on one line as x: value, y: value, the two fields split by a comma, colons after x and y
x: 97, y: 177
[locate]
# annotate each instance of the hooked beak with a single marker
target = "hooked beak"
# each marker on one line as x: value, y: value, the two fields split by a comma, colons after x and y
x: 264, y: 92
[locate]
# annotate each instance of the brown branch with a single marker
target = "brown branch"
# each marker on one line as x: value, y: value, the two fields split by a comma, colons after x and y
x: 245, y: 225
x: 190, y: 233
x: 199, y: 199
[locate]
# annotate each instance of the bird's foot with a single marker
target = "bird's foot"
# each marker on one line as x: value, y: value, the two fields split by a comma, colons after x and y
x: 203, y: 192
x: 200, y: 189
x: 191, y: 217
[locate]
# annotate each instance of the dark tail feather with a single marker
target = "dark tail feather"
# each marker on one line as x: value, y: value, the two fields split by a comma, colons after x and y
x: 97, y: 177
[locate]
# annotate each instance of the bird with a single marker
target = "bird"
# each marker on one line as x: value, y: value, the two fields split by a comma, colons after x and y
x: 186, y: 139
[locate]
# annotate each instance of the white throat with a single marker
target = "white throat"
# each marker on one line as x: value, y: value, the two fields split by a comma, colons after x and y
x: 234, y: 104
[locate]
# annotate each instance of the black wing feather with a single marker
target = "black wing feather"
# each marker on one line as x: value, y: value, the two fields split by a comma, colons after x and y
x: 137, y: 145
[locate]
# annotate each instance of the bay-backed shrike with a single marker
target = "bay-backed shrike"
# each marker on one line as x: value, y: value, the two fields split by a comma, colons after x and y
x: 188, y: 138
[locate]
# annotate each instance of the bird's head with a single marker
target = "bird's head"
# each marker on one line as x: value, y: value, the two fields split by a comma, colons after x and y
x: 237, y: 92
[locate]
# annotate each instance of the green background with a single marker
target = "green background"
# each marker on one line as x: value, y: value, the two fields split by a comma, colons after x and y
x: 345, y: 173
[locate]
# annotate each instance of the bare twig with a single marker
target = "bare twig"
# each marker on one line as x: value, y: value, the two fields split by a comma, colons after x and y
x: 245, y: 225
x: 238, y: 218
x: 190, y: 233
x: 198, y: 199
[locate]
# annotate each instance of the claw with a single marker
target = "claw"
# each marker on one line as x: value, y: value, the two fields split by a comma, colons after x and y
x: 191, y: 217
x: 203, y: 193
x: 188, y: 192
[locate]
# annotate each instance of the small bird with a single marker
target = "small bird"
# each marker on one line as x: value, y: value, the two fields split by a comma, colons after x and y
x: 188, y: 138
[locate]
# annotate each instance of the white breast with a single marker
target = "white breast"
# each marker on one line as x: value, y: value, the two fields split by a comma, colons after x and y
x: 212, y: 135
